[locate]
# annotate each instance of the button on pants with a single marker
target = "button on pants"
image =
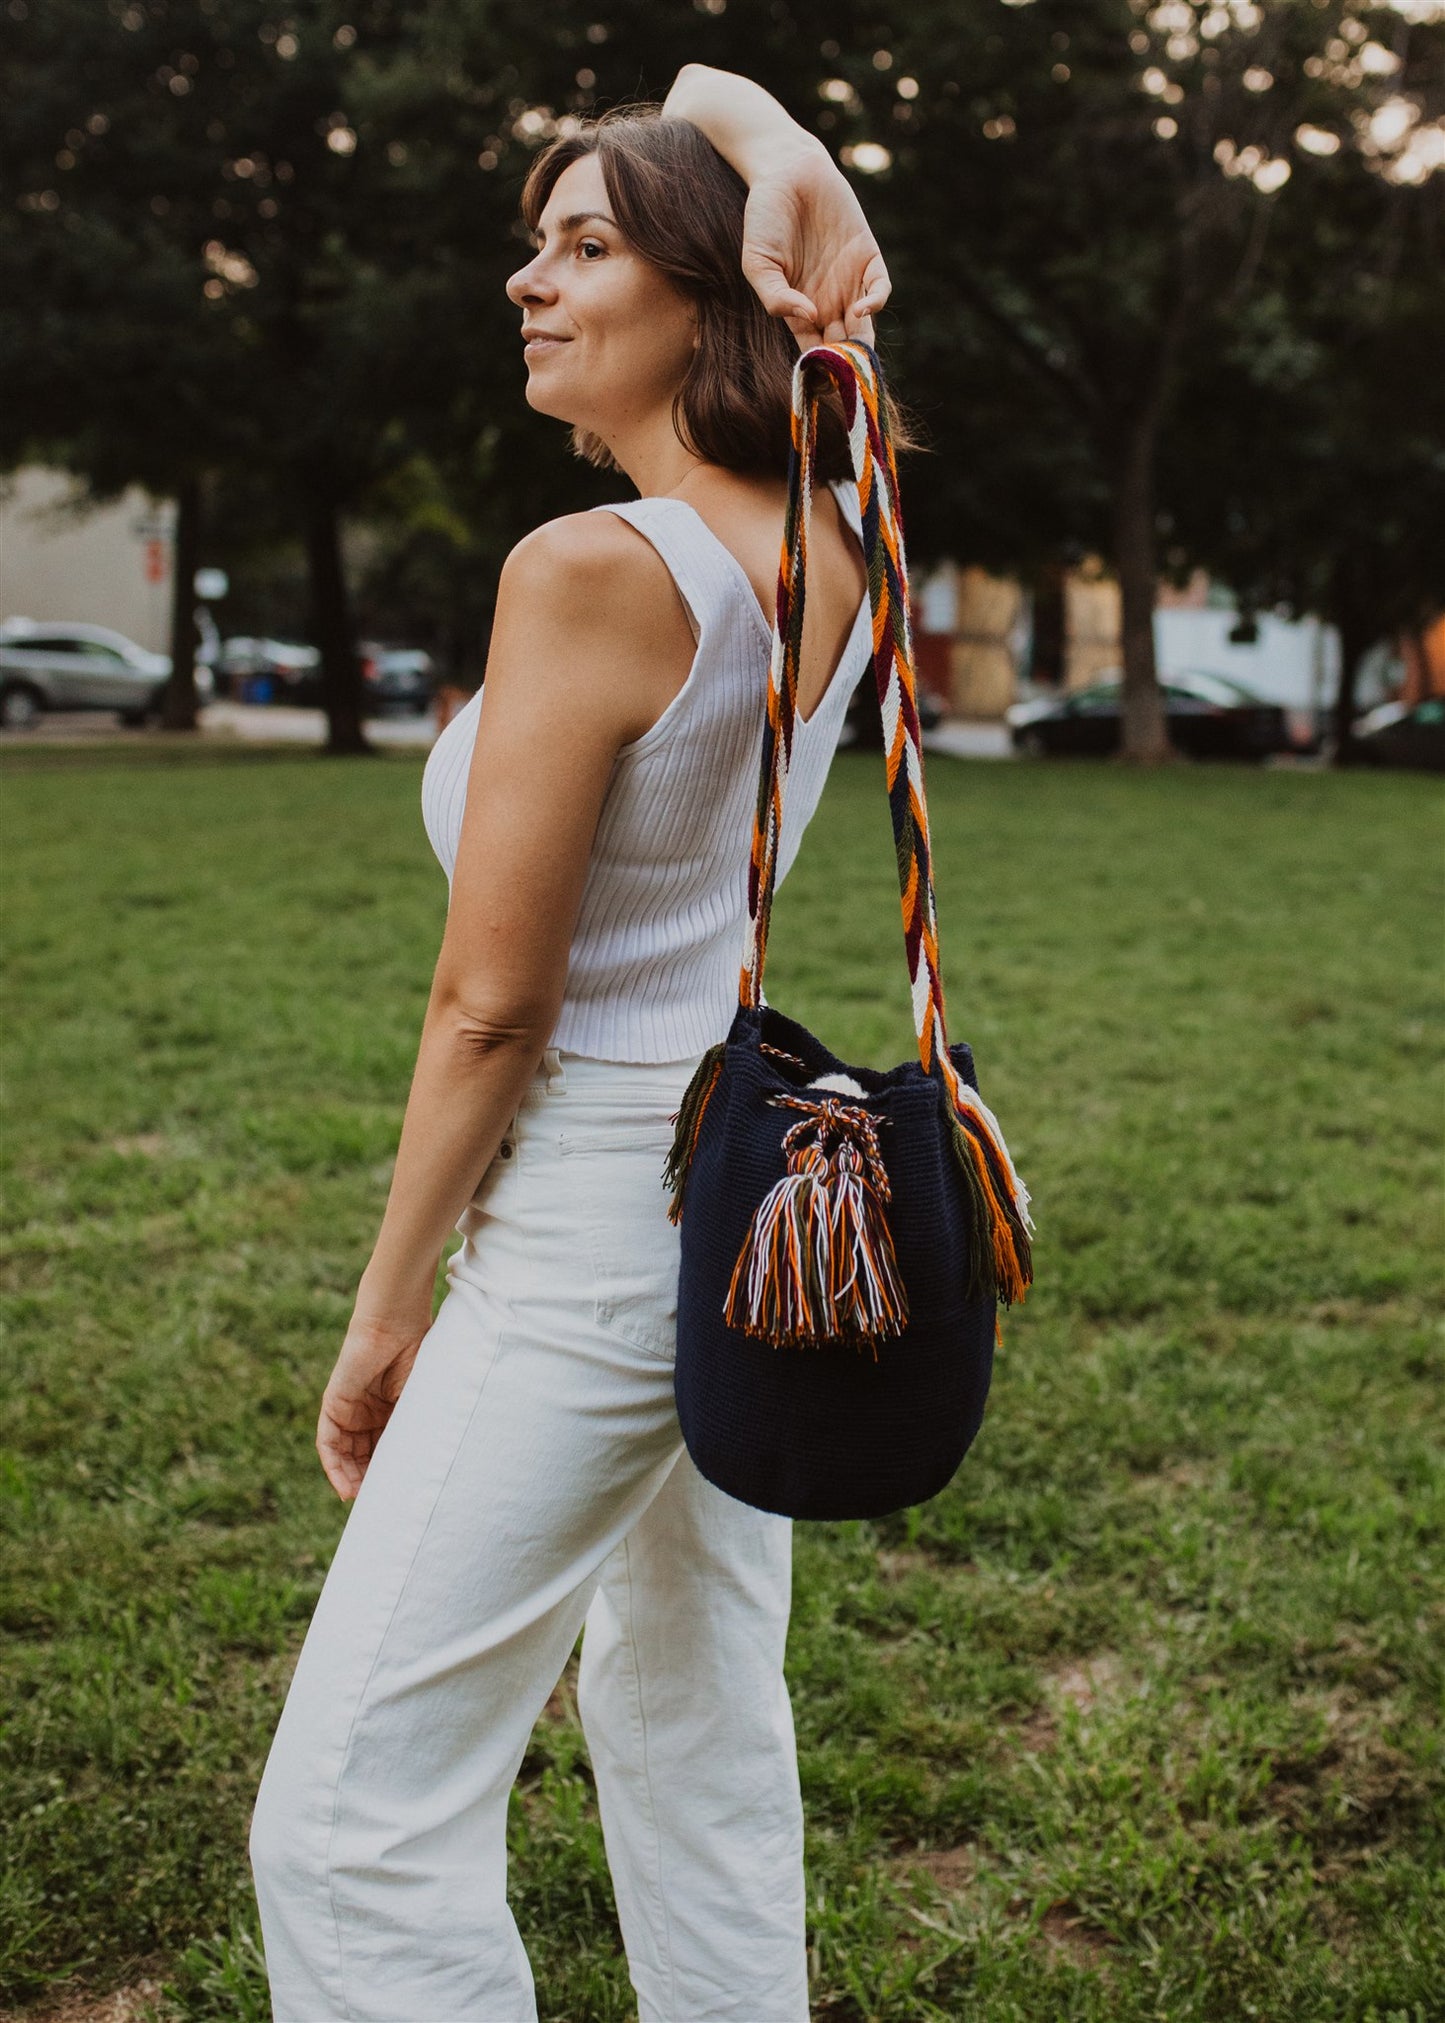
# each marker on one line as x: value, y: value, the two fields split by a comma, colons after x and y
x: 532, y: 1479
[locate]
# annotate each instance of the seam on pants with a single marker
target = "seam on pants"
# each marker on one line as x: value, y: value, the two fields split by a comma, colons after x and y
x: 643, y: 1757
x: 376, y: 1660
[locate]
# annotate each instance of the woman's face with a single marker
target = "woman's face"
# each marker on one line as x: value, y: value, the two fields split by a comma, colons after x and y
x: 618, y: 335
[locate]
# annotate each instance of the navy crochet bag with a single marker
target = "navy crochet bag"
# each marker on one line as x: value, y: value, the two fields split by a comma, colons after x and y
x: 847, y: 1234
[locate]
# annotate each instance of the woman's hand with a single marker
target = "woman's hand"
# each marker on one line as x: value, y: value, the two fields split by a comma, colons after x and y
x: 809, y: 252
x: 807, y: 247
x: 375, y: 1362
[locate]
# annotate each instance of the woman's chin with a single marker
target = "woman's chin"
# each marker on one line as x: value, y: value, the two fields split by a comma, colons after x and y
x: 543, y: 400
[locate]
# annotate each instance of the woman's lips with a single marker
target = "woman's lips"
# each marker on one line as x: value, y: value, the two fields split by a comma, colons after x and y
x: 535, y: 345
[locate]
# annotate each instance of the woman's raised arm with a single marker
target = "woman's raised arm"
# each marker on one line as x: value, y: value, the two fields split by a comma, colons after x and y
x: 808, y: 250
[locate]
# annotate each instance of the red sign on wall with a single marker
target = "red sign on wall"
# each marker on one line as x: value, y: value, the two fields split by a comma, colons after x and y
x: 155, y: 563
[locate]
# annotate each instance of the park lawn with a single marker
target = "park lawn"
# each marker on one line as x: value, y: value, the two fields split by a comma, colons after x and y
x: 1140, y: 1719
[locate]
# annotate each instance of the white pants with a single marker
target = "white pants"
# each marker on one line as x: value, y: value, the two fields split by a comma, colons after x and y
x: 532, y: 1477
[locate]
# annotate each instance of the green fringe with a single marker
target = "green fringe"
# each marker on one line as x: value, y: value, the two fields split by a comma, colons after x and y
x: 983, y: 1269
x: 689, y: 1120
x: 982, y: 1281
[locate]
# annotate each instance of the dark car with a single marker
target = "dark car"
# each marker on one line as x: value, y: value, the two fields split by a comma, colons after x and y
x: 1209, y: 717
x: 1401, y: 734
x: 270, y: 670
x: 400, y: 680
x: 396, y: 680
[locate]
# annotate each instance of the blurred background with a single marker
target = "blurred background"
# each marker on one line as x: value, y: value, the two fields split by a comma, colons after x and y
x: 1168, y: 294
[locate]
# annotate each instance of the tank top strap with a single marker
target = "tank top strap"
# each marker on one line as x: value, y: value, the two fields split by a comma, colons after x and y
x: 711, y: 580
x: 846, y: 493
x: 690, y: 552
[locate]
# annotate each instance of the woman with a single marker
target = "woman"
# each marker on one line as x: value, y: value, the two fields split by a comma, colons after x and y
x: 593, y: 819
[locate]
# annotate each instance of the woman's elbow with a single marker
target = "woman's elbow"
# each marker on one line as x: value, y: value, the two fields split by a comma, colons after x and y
x: 481, y: 1028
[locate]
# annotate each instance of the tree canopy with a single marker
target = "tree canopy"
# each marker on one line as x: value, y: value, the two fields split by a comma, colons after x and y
x: 1148, y: 262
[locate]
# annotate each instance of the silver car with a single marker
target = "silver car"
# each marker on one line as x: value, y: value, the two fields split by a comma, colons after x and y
x: 60, y: 667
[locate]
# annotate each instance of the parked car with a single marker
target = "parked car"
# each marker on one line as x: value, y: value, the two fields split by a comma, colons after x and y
x: 399, y: 679
x: 60, y: 667
x: 1404, y: 734
x: 396, y: 679
x: 1209, y: 717
x: 270, y: 670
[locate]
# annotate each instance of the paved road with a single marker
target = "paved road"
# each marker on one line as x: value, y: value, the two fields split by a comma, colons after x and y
x: 968, y: 738
x: 222, y: 721
x: 256, y: 722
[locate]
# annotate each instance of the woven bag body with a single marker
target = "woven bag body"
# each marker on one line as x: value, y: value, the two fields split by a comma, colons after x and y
x: 834, y: 1430
x: 847, y: 1234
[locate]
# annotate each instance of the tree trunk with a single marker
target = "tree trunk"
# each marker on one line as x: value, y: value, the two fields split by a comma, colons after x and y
x: 341, y: 691
x: 1356, y: 639
x: 1144, y: 738
x: 1049, y: 650
x: 178, y: 699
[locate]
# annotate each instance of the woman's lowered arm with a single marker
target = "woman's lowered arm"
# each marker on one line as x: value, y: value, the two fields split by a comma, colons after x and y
x: 566, y: 688
x: 808, y: 250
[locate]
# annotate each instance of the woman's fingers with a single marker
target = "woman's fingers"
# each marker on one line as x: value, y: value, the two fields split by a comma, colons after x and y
x: 347, y: 1431
x: 855, y: 326
x: 877, y: 286
x: 341, y: 1470
x: 876, y: 289
x: 772, y: 290
x: 373, y: 1366
x: 344, y: 1457
x: 809, y: 254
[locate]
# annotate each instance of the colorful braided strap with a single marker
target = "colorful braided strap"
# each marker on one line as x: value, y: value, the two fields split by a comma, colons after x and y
x: 999, y: 1199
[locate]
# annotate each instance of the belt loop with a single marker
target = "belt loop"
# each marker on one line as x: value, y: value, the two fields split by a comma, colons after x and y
x: 556, y: 1073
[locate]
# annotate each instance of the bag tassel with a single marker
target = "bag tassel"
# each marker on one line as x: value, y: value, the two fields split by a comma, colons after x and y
x: 818, y: 1262
x: 695, y: 1099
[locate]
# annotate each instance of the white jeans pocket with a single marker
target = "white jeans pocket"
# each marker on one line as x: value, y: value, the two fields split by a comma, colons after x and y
x: 616, y: 1192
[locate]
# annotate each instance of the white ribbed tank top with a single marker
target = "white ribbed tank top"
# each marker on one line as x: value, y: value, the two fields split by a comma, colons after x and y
x: 652, y: 973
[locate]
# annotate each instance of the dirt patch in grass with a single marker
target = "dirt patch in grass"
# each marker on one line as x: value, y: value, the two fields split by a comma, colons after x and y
x: 81, y: 2005
x: 951, y: 1869
x: 1357, y: 1790
x: 1068, y: 1935
x: 898, y: 1563
x: 1197, y: 1474
x: 1085, y: 1680
x: 1079, y: 1683
x: 952, y: 1872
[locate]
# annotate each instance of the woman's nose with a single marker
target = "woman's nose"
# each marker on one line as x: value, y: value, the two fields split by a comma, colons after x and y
x: 526, y: 285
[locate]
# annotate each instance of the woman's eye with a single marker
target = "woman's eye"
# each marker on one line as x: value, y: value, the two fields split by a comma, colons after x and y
x: 583, y: 244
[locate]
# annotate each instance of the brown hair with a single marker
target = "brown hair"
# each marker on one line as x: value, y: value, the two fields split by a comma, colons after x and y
x: 681, y: 206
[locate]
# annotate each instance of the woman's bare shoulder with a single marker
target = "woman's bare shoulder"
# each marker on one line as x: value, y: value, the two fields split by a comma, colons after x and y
x: 585, y: 600
x: 582, y: 553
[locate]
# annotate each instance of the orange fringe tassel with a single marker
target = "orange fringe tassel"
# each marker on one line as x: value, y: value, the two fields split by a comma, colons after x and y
x: 818, y: 1262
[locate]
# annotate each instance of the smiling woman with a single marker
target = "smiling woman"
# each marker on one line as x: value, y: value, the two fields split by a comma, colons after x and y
x: 624, y: 201
x: 516, y: 1462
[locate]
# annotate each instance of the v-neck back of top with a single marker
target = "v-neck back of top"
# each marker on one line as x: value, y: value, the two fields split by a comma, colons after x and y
x: 653, y: 966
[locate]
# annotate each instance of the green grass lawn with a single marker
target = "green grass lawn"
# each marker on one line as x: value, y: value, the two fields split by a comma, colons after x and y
x: 1140, y: 1719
